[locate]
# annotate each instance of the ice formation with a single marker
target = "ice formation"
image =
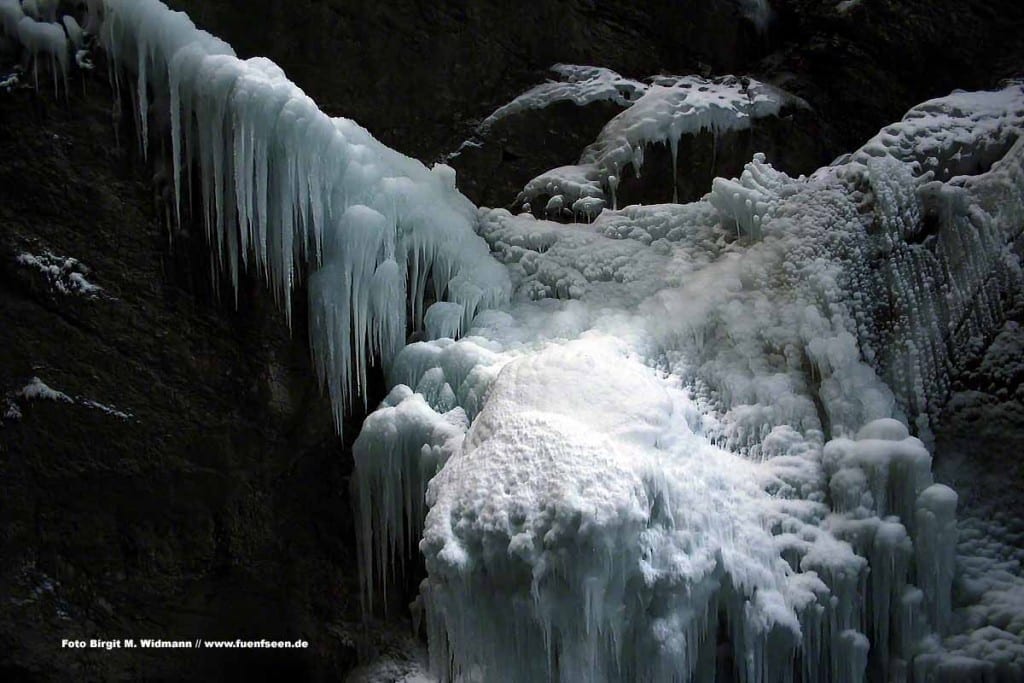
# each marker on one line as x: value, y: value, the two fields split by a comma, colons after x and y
x: 299, y: 196
x: 695, y: 423
x: 11, y: 411
x: 38, y: 390
x: 671, y: 444
x: 580, y: 85
x: 34, y: 27
x: 671, y: 107
x: 63, y: 275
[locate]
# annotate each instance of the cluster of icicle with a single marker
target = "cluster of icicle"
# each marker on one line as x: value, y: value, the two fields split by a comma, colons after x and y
x: 295, y: 194
x: 571, y: 537
x: 47, y: 36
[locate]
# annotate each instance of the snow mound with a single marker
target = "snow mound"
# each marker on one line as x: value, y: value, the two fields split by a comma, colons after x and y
x: 37, y: 390
x: 559, y: 502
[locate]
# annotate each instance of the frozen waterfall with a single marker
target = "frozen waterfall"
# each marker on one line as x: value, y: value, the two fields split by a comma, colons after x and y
x: 668, y: 445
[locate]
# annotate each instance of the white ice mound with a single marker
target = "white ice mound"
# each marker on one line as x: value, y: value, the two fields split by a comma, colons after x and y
x: 578, y: 534
x: 585, y: 381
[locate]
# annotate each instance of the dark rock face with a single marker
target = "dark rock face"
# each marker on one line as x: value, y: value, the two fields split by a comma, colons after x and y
x: 420, y: 75
x: 864, y: 68
x: 497, y: 164
x: 219, y: 506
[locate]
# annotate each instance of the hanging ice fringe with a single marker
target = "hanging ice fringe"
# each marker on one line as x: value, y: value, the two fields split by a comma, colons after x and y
x: 290, y: 192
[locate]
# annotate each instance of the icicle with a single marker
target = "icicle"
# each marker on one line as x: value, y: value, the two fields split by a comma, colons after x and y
x: 444, y: 319
x: 935, y: 544
x: 42, y: 40
x: 674, y: 145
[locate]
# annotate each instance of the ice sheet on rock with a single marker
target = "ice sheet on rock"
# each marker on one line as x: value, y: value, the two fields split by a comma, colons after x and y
x: 673, y: 106
x: 972, y: 221
x: 683, y: 105
x: 37, y: 390
x: 622, y: 258
x: 580, y: 85
x: 106, y: 409
x: 899, y: 239
x: 751, y: 324
x: 960, y: 134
